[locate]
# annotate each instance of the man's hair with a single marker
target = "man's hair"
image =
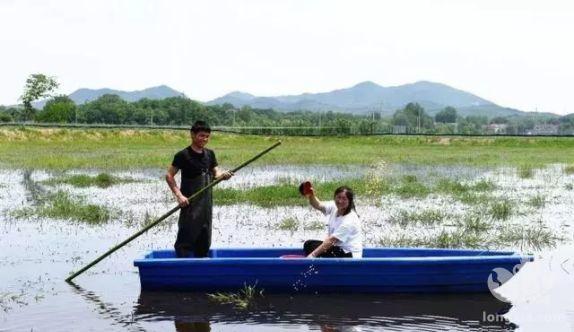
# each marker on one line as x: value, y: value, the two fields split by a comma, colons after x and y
x: 200, y: 126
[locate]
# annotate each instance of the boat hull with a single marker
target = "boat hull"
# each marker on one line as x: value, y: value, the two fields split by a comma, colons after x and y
x: 381, y: 270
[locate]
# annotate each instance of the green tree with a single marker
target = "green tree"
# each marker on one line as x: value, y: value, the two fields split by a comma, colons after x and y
x: 499, y: 120
x: 58, y: 110
x: 416, y: 119
x: 447, y: 115
x: 108, y: 109
x: 5, y: 116
x: 37, y: 86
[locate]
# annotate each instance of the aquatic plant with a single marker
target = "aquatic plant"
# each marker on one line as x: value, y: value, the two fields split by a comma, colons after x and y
x: 9, y: 299
x: 466, y: 193
x: 314, y: 225
x: 501, y: 210
x: 243, y: 299
x: 288, y: 224
x: 410, y: 187
x: 402, y: 240
x: 537, y: 201
x: 102, y: 180
x: 61, y: 205
x: 425, y: 217
x: 525, y: 171
x: 457, y: 239
x: 444, y: 239
x: 474, y: 222
x: 532, y: 236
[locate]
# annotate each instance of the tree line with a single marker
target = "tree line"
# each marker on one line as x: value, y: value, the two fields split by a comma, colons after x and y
x: 182, y: 111
x: 176, y: 111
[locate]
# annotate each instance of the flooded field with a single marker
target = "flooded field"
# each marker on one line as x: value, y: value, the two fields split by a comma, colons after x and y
x: 52, y: 223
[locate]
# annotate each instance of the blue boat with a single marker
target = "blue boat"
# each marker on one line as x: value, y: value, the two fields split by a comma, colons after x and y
x: 381, y: 270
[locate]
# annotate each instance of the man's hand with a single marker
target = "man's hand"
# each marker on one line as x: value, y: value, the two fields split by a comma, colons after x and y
x: 182, y: 200
x: 225, y: 175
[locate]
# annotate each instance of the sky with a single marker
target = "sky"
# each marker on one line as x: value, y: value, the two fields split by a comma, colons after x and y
x: 516, y: 53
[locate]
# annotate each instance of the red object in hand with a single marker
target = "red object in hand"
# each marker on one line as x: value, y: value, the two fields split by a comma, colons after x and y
x: 305, y: 188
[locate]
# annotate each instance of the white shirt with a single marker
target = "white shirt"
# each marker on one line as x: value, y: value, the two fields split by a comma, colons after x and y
x: 347, y: 229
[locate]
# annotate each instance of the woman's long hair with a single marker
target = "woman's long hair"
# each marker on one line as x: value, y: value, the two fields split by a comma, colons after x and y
x: 350, y: 196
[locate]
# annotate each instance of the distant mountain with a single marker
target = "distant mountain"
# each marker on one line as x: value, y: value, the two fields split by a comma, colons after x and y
x: 82, y: 96
x: 369, y: 97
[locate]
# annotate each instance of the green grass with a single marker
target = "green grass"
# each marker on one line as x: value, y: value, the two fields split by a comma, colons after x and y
x: 411, y: 187
x: 288, y: 224
x: 533, y: 236
x: 426, y: 217
x: 61, y: 205
x: 64, y: 149
x: 286, y: 194
x: 537, y: 201
x: 444, y: 239
x: 526, y: 171
x: 501, y: 210
x: 474, y: 223
x: 314, y: 225
x: 242, y: 300
x: 102, y: 180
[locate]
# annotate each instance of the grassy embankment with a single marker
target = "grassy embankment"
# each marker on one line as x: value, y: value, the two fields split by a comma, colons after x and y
x: 64, y: 149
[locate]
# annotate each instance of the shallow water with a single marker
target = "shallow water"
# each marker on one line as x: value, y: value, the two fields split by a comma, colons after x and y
x: 37, y: 254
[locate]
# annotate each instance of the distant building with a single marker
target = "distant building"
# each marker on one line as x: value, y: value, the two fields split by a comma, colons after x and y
x: 496, y: 128
x: 544, y: 129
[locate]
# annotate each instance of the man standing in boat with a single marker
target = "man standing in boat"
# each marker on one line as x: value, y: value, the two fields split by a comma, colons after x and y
x: 198, y: 167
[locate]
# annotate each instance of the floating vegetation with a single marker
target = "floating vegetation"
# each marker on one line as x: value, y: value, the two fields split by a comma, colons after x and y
x: 474, y: 223
x: 9, y: 299
x: 444, y: 239
x: 402, y: 240
x: 314, y: 225
x: 411, y: 187
x: 241, y: 300
x: 537, y: 201
x: 526, y: 171
x: 102, y: 180
x: 288, y: 224
x: 501, y: 210
x: 61, y: 205
x: 425, y: 217
x: 457, y: 239
x: 533, y: 236
x: 466, y: 193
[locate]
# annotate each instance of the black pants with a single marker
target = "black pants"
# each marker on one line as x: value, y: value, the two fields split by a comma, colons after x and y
x: 198, y: 244
x: 333, y: 252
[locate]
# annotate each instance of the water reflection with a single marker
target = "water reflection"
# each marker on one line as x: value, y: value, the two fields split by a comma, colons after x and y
x: 194, y: 312
x: 106, y: 309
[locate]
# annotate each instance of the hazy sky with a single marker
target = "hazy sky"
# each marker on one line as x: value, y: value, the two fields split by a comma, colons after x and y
x: 515, y: 53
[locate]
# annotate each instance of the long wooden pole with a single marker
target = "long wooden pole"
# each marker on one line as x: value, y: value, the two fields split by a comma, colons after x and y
x: 167, y: 214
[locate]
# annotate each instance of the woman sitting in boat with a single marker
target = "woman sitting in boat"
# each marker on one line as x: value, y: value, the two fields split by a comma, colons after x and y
x: 345, y: 236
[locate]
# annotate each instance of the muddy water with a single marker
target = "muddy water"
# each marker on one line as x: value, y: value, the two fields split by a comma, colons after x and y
x: 37, y: 254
